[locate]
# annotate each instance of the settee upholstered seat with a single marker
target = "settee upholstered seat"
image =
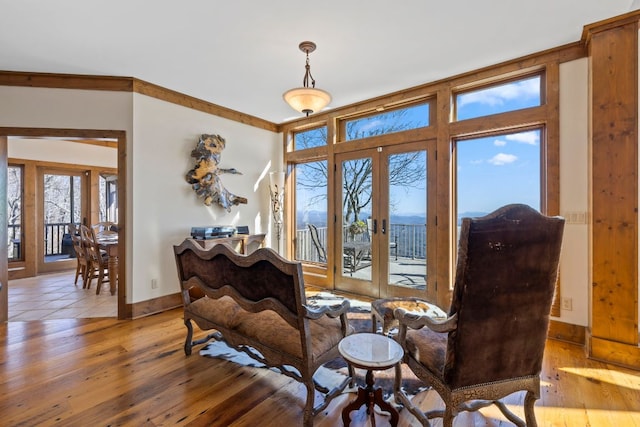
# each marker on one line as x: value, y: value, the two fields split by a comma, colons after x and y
x: 268, y: 327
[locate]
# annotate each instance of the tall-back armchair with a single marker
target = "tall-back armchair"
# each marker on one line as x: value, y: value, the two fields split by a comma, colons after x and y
x: 492, y: 343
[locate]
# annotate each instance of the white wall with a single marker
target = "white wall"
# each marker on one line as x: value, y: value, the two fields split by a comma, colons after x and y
x: 59, y: 151
x: 574, y: 190
x: 165, y: 206
x: 161, y: 206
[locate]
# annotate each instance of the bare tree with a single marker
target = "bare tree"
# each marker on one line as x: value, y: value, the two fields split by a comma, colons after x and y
x: 404, y: 169
x: 14, y: 195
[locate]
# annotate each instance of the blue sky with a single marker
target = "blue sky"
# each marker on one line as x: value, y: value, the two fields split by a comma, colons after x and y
x: 496, y: 170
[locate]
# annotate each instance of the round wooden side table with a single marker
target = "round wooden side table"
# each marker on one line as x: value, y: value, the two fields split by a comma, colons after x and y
x: 372, y: 352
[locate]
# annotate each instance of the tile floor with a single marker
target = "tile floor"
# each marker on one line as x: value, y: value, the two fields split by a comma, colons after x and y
x: 54, y: 296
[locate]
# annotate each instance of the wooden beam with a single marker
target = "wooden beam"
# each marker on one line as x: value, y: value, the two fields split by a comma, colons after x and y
x: 614, y: 186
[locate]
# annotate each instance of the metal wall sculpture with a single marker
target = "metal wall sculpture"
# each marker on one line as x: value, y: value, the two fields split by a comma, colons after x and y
x: 205, y: 175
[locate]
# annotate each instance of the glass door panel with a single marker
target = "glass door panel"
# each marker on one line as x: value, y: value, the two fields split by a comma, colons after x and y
x: 355, y: 253
x: 15, y: 195
x: 62, y: 198
x: 357, y: 207
x: 405, y: 236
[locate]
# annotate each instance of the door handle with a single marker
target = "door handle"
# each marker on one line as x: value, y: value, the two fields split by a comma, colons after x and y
x: 375, y: 226
x: 384, y: 226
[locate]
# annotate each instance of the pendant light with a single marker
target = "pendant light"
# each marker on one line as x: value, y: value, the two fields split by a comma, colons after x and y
x: 305, y: 99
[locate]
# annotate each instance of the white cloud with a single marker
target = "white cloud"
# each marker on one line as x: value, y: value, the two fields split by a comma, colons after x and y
x: 501, y: 159
x: 498, y: 95
x: 531, y: 137
x: 476, y: 162
x: 499, y: 143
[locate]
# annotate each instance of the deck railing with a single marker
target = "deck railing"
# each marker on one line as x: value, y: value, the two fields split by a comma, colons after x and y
x: 14, y: 231
x: 54, y: 241
x: 411, y: 241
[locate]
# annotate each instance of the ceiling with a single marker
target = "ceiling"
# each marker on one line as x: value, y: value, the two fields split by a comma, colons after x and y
x: 243, y: 54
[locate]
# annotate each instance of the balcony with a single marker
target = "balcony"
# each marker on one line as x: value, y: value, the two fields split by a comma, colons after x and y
x: 407, y: 260
x: 56, y: 247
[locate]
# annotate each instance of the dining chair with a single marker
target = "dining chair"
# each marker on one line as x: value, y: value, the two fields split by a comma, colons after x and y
x: 105, y: 228
x: 492, y: 342
x: 82, y: 261
x: 98, y: 265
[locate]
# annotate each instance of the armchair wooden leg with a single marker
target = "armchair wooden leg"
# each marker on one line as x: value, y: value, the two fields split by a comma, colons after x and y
x: 447, y: 420
x: 530, y: 416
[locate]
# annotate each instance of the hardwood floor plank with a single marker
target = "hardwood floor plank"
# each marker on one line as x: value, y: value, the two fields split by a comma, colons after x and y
x: 134, y: 373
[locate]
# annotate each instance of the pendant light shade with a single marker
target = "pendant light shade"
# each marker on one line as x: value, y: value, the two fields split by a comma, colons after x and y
x: 305, y: 99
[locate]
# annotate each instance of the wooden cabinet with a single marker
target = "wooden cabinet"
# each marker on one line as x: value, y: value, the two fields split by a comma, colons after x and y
x: 242, y: 243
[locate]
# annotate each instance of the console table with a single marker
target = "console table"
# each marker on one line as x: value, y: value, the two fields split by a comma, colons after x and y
x: 372, y: 352
x: 242, y: 243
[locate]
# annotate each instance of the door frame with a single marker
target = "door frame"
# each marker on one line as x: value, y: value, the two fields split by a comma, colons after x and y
x: 378, y: 286
x: 124, y: 310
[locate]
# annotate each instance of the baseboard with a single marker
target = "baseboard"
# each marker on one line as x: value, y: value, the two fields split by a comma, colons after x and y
x: 616, y: 353
x: 153, y: 306
x: 574, y: 334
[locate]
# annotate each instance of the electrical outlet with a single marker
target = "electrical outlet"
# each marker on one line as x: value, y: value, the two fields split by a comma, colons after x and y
x: 154, y: 283
x: 567, y: 304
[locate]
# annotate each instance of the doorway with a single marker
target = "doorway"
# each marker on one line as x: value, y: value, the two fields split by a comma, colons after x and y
x: 95, y: 137
x: 382, y: 248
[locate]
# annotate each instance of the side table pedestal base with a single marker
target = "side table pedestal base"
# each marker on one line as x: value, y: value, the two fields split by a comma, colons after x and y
x: 370, y: 397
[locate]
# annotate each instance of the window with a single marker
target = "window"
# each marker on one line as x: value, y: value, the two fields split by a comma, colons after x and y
x: 62, y: 204
x: 511, y: 96
x: 310, y: 138
x: 108, y: 197
x: 413, y: 117
x: 15, y: 195
x: 311, y: 211
x: 497, y: 170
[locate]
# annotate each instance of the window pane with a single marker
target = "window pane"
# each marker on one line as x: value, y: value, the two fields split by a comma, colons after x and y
x: 108, y: 198
x: 102, y: 202
x: 498, y: 170
x: 311, y: 211
x: 413, y: 117
x: 310, y: 138
x: 14, y: 212
x: 62, y: 205
x: 501, y: 98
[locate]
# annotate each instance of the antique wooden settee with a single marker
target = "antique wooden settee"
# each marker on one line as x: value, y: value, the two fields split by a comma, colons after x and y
x: 256, y: 303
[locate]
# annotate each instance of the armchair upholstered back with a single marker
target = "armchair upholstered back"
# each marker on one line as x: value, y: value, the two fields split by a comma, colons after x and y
x: 506, y: 274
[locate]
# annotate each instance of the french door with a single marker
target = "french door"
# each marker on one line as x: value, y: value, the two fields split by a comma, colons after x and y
x: 64, y: 196
x: 383, y: 222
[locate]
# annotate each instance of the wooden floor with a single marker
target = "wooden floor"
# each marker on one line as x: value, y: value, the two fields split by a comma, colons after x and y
x: 105, y: 372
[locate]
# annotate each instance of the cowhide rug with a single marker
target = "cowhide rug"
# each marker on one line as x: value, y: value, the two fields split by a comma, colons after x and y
x: 333, y: 372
